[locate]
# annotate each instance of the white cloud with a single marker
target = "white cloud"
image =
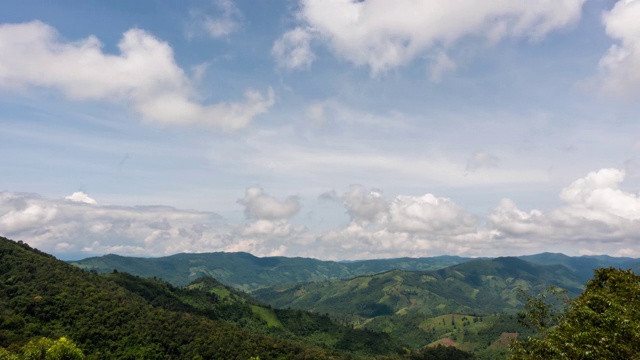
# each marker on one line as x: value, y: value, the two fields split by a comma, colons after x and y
x: 597, y: 212
x: 80, y: 196
x: 597, y: 217
x: 226, y: 23
x: 259, y: 205
x: 145, y: 75
x: 363, y: 204
x: 429, y: 214
x: 78, y: 227
x: 382, y: 34
x: 621, y: 64
x: 293, y: 50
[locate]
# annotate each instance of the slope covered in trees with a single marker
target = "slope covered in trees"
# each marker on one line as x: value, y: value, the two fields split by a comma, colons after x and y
x: 602, y: 323
x: 462, y: 299
x: 124, y: 317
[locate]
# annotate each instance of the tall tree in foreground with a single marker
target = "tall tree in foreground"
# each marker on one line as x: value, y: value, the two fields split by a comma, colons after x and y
x: 602, y: 323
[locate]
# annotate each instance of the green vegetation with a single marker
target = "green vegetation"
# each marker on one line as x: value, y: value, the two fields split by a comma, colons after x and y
x: 470, y: 305
x: 44, y: 349
x: 465, y: 311
x: 120, y: 316
x: 602, y: 323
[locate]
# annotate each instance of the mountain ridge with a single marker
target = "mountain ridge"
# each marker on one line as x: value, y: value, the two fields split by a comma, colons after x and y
x: 248, y: 272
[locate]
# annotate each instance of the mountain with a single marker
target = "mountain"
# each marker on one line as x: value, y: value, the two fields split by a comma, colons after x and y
x: 403, y: 303
x: 247, y: 272
x: 123, y: 316
x: 583, y: 266
x: 477, y: 286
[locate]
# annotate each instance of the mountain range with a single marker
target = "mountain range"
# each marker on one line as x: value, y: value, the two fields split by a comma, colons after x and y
x: 248, y: 272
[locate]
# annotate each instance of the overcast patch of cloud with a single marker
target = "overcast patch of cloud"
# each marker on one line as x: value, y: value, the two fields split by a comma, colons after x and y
x: 481, y: 160
x: 441, y: 64
x: 260, y: 205
x: 227, y: 21
x: 621, y: 64
x: 72, y: 226
x: 144, y: 74
x: 364, y: 205
x: 382, y: 34
x: 293, y: 49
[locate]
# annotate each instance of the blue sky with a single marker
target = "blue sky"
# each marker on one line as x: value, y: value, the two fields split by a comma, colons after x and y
x: 328, y: 129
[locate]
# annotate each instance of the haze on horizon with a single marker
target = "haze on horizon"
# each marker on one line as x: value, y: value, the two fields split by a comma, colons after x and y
x: 328, y: 129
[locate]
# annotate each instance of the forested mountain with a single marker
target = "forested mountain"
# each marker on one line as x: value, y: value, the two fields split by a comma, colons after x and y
x: 247, y: 272
x: 405, y: 302
x: 583, y: 266
x: 121, y: 316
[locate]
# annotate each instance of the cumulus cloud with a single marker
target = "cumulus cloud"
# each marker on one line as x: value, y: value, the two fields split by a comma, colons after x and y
x: 429, y: 214
x: 144, y: 74
x: 404, y: 226
x: 621, y: 64
x: 259, y: 205
x: 80, y: 196
x: 293, y: 49
x: 596, y: 212
x: 382, y: 34
x: 363, y: 204
x: 597, y: 216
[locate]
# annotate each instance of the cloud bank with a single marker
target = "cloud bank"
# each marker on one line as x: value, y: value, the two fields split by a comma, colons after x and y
x: 144, y: 75
x: 597, y: 217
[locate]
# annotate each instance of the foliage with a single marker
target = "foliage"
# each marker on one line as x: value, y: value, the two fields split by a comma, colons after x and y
x: 403, y: 303
x: 45, y: 349
x: 544, y: 310
x: 124, y: 317
x: 442, y: 352
x: 602, y: 323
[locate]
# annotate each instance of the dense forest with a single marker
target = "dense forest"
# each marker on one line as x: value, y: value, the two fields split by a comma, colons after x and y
x: 52, y: 310
x: 121, y: 316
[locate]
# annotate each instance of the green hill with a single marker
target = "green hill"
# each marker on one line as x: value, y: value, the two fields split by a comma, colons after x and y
x: 121, y: 316
x: 404, y: 303
x: 247, y: 272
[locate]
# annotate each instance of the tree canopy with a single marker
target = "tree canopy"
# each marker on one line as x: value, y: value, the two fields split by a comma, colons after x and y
x: 602, y: 323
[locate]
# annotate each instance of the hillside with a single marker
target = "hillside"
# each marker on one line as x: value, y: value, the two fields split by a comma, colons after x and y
x: 247, y: 272
x: 122, y: 316
x: 403, y: 303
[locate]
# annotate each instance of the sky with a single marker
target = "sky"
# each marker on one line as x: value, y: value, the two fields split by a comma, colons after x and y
x: 331, y: 129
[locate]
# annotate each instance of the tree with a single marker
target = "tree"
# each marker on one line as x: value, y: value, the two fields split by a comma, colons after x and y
x: 45, y: 349
x: 602, y: 323
x: 544, y: 310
